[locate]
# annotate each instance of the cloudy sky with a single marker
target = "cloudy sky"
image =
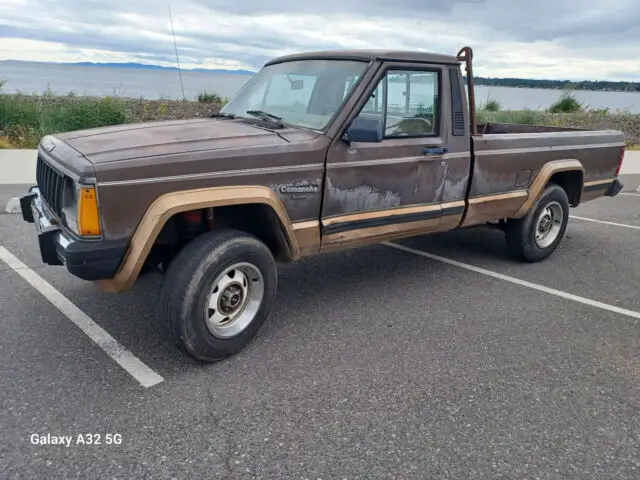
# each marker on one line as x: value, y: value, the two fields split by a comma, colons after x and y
x: 567, y: 39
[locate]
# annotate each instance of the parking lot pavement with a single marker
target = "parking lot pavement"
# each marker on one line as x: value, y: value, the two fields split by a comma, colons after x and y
x: 595, y: 260
x: 376, y: 363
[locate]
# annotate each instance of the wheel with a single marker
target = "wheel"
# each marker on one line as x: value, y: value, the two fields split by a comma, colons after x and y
x: 537, y: 235
x: 217, y: 293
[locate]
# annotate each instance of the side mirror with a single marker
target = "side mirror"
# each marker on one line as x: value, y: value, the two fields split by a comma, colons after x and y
x: 365, y: 130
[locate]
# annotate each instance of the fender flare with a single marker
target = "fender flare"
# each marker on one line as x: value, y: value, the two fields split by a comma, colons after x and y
x: 167, y: 205
x: 542, y: 179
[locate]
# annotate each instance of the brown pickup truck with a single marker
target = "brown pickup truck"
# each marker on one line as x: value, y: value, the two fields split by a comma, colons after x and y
x: 318, y: 152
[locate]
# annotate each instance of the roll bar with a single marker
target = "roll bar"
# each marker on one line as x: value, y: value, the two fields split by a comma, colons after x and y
x: 466, y: 55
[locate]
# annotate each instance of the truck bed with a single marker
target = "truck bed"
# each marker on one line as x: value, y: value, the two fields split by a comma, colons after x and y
x: 507, y: 160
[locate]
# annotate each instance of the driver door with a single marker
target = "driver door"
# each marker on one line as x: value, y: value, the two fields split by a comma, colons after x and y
x: 377, y: 191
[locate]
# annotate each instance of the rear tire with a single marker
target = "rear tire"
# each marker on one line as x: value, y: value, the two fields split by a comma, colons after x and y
x: 217, y: 293
x: 537, y: 235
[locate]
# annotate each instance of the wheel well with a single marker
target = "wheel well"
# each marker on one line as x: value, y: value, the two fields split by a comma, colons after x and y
x: 257, y: 219
x: 571, y: 182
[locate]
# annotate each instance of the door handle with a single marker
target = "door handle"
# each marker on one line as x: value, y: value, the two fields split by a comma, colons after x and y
x: 435, y: 150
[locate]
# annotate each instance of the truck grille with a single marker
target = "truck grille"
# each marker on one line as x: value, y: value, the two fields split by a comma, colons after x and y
x: 51, y: 185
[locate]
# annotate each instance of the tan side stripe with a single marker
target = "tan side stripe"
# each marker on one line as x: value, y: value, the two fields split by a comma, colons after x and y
x: 597, y: 182
x: 499, y: 197
x: 304, y: 225
x: 457, y: 203
x: 381, y: 214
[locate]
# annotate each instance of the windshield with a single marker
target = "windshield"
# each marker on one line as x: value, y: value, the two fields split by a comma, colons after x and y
x: 303, y: 93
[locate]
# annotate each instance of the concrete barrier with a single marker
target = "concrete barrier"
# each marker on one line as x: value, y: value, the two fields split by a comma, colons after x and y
x: 17, y: 166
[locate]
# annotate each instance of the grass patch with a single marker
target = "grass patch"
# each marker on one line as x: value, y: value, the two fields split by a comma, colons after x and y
x: 212, y: 98
x: 209, y: 97
x: 522, y: 117
x: 25, y: 119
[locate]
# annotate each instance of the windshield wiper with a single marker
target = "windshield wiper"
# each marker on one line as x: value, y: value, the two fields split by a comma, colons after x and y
x: 270, y: 117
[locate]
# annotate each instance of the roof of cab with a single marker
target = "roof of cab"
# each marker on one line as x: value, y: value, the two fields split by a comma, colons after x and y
x: 369, y: 55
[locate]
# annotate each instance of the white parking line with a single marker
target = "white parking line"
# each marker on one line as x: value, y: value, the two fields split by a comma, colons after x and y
x: 122, y: 356
x: 629, y: 194
x: 624, y: 225
x: 517, y: 281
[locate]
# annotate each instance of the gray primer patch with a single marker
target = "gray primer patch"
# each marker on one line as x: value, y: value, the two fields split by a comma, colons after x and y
x: 361, y: 198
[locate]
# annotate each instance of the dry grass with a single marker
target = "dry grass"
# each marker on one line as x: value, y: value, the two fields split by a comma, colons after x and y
x: 5, y: 143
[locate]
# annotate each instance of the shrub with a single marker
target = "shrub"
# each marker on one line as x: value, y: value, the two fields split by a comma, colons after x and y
x: 492, y: 106
x: 566, y: 104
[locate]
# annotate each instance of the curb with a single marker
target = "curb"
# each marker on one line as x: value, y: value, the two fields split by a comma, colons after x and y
x: 13, y: 206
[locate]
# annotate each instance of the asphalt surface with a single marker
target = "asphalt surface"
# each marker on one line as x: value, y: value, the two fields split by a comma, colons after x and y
x: 375, y: 363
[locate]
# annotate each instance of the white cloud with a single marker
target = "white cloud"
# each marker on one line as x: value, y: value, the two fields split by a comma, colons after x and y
x: 581, y: 39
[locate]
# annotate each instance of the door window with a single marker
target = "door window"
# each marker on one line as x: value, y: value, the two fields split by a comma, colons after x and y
x: 407, y: 101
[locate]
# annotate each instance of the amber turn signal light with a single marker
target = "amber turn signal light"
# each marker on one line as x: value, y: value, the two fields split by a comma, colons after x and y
x: 88, y: 220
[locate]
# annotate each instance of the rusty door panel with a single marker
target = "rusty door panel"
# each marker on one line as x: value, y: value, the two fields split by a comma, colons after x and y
x: 381, y: 177
x: 378, y: 177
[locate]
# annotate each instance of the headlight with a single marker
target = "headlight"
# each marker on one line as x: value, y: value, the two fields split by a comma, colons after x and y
x: 80, y: 209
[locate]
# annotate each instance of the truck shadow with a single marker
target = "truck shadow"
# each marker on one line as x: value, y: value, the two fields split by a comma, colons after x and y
x: 483, y: 242
x: 327, y: 291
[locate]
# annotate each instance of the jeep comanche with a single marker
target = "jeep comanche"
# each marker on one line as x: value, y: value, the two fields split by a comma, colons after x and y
x: 317, y: 152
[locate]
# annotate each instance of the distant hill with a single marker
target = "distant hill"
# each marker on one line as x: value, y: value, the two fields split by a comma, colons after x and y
x: 132, y: 65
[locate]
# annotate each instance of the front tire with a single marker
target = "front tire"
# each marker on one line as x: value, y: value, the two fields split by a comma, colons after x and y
x: 217, y: 293
x: 537, y: 235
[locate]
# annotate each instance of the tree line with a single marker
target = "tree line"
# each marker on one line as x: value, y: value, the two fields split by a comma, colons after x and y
x: 559, y: 84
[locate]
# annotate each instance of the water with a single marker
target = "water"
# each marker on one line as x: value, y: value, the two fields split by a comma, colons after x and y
x: 128, y: 82
x: 153, y: 84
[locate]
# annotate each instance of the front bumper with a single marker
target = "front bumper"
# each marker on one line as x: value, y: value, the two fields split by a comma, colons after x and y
x: 86, y: 259
x: 614, y: 189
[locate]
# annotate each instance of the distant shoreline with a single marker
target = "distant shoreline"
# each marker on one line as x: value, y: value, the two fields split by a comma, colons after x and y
x: 546, y: 84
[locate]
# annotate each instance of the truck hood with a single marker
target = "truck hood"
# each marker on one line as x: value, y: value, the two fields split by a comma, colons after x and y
x: 130, y: 141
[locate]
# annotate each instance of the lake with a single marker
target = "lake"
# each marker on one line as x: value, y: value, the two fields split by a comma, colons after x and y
x: 153, y: 84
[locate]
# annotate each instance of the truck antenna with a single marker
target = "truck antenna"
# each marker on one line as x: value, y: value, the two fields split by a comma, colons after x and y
x: 175, y: 46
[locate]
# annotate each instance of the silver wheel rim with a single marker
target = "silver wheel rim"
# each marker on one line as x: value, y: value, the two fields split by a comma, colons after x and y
x: 548, y: 224
x: 234, y: 300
